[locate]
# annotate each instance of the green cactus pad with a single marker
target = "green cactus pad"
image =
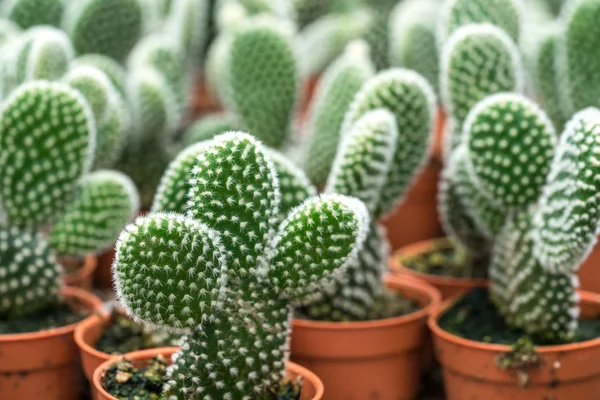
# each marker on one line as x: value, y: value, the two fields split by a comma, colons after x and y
x: 478, y: 61
x: 216, y: 66
x: 505, y: 14
x: 108, y: 27
x: 209, y: 126
x: 409, y: 97
x: 306, y: 256
x: 511, y: 144
x: 294, y: 186
x: 172, y: 193
x: 578, y: 60
x: 113, y: 70
x: 95, y: 87
x: 168, y: 270
x: 334, y: 93
x: 107, y: 201
x: 28, y: 13
x: 47, y: 139
x: 568, y: 218
x: 30, y: 274
x: 365, y: 157
x: 188, y: 22
x: 263, y: 78
x: 234, y: 172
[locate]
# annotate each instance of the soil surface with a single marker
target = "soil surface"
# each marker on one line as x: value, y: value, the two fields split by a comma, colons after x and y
x: 56, y: 316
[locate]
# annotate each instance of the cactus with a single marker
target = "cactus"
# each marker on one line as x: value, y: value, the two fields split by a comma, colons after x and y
x: 107, y: 27
x: 216, y: 61
x: 253, y: 272
x: 29, y: 13
x: 577, y: 60
x: 413, y: 44
x: 377, y: 35
x: 263, y: 78
x: 505, y: 14
x: 209, y: 126
x: 43, y: 156
x: 115, y: 72
x: 29, y: 271
x: 188, y: 20
x: 478, y: 60
x: 334, y: 93
x: 107, y: 201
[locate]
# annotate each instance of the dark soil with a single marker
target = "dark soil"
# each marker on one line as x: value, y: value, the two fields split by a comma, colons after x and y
x: 125, y: 382
x: 124, y: 336
x: 475, y: 317
x: 56, y: 316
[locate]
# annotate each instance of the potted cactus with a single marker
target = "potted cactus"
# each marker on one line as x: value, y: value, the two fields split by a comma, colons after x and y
x: 524, y: 199
x: 365, y: 325
x: 234, y: 241
x: 52, y: 206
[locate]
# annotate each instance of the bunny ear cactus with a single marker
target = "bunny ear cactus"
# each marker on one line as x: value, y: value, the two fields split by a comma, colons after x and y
x: 377, y: 35
x: 577, y: 59
x: 505, y: 14
x: 209, y: 126
x: 227, y: 272
x: 478, y: 61
x: 107, y: 201
x: 108, y: 27
x: 188, y: 21
x: 47, y: 137
x: 412, y: 28
x: 263, y: 78
x: 334, y: 93
x: 30, y: 274
x: 29, y: 13
x: 113, y: 70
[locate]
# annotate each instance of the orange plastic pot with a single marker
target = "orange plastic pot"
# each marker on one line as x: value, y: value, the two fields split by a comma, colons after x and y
x: 83, y: 278
x: 87, y: 334
x: 372, y: 359
x: 589, y: 274
x: 447, y: 285
x: 312, y: 388
x: 570, y: 371
x: 103, y: 275
x: 44, y: 365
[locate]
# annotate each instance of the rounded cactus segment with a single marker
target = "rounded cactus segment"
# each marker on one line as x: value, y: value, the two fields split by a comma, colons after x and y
x: 234, y: 172
x: 263, y: 78
x: 28, y: 13
x: 307, y: 257
x: 411, y: 100
x: 95, y: 87
x: 189, y: 23
x: 169, y: 271
x: 365, y: 157
x: 505, y: 14
x: 209, y: 126
x: 47, y: 139
x: 113, y: 70
x: 107, y: 201
x: 108, y: 27
x: 478, y: 61
x: 334, y: 93
x: 172, y: 193
x: 294, y: 186
x: 30, y: 274
x: 510, y: 147
x: 568, y: 217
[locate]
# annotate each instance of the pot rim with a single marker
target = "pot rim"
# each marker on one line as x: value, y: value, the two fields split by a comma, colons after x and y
x: 168, y: 351
x: 90, y: 263
x: 436, y: 330
x: 396, y: 282
x: 83, y: 327
x: 94, y: 304
x: 422, y: 247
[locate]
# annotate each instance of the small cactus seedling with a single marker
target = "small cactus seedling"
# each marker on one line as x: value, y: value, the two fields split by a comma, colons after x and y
x: 478, y: 60
x: 263, y: 78
x: 413, y: 44
x: 229, y: 272
x: 29, y: 13
x: 505, y: 14
x: 108, y: 27
x: 334, y: 93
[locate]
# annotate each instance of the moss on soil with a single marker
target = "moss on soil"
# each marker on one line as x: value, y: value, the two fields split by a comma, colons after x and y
x: 56, y: 316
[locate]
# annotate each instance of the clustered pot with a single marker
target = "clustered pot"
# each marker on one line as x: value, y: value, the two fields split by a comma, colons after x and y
x: 312, y: 388
x: 470, y: 371
x: 372, y: 359
x: 44, y: 365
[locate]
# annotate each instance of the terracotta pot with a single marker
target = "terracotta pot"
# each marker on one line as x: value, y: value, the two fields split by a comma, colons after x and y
x: 310, y: 87
x: 437, y: 152
x: 83, y: 278
x: 372, y: 359
x: 589, y: 275
x: 103, y: 275
x: 447, y: 285
x: 570, y: 371
x: 87, y: 334
x: 312, y: 388
x: 203, y: 102
x: 44, y: 365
